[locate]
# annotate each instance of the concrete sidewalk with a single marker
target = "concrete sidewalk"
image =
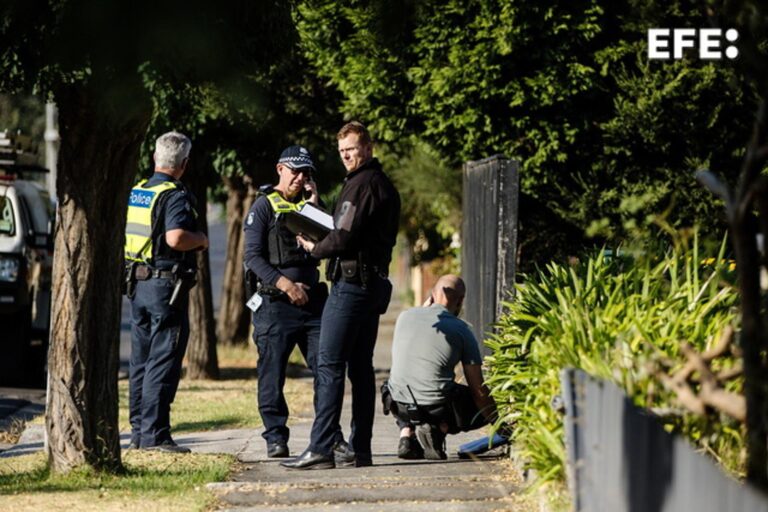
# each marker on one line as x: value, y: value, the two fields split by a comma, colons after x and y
x: 262, y: 484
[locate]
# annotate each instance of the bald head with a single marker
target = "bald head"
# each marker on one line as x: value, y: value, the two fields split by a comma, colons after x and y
x: 449, y: 291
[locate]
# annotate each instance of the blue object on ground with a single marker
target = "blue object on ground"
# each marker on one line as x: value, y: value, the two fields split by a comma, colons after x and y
x: 481, y: 445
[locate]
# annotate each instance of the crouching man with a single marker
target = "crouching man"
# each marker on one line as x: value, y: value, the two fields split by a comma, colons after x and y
x: 421, y: 393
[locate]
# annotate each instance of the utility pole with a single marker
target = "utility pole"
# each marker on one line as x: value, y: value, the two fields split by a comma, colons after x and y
x: 51, y: 146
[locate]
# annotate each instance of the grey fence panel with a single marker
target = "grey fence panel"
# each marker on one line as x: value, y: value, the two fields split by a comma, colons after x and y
x: 489, y: 238
x: 620, y: 459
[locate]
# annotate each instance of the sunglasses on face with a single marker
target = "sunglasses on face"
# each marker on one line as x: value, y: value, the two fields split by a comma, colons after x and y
x: 306, y: 171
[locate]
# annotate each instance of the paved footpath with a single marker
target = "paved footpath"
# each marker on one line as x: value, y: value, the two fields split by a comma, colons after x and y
x: 390, y: 484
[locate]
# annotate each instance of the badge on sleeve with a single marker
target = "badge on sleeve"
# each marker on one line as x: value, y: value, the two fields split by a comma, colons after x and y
x: 249, y: 220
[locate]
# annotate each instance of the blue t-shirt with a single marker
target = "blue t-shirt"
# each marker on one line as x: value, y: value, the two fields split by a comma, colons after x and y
x: 177, y: 212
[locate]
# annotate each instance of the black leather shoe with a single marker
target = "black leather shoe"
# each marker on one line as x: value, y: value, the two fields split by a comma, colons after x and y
x: 169, y: 446
x: 409, y: 448
x: 341, y: 447
x: 277, y: 450
x: 309, y: 460
x: 350, y: 459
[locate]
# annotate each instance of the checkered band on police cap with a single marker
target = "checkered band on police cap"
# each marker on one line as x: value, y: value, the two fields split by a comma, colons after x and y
x: 296, y: 157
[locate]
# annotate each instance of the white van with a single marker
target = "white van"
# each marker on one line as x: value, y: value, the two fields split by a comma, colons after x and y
x: 26, y: 262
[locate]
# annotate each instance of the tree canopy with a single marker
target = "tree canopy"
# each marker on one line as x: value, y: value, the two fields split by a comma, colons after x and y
x: 606, y: 138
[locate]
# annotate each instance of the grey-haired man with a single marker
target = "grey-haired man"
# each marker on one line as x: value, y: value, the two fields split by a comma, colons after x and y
x: 161, y: 236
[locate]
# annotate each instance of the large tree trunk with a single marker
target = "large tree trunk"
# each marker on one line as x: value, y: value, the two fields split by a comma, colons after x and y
x: 202, y: 360
x: 99, y: 153
x: 234, y: 320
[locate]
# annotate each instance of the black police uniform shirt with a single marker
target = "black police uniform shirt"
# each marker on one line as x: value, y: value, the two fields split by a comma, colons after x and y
x: 177, y: 212
x: 366, y: 218
x: 256, y: 228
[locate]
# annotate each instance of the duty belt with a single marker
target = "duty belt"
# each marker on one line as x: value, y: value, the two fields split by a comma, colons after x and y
x: 149, y: 272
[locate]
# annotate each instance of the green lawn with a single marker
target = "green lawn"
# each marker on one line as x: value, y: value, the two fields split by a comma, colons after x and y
x: 152, y: 480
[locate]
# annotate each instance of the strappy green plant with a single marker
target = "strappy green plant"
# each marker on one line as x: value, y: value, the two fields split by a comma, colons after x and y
x: 612, y: 316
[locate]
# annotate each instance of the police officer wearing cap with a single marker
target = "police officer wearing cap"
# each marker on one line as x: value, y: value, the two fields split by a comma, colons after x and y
x: 290, y: 298
x: 161, y: 236
x: 360, y: 249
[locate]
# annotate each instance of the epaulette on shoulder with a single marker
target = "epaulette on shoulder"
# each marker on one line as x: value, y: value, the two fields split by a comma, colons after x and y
x: 266, y: 189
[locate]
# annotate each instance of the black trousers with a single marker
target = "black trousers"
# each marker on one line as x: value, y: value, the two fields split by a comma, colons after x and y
x: 347, y: 337
x: 459, y: 411
x: 159, y: 335
x: 279, y: 326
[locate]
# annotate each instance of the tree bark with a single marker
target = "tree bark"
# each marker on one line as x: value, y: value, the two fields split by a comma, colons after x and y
x: 202, y: 359
x: 233, y: 321
x: 740, y: 204
x: 99, y: 154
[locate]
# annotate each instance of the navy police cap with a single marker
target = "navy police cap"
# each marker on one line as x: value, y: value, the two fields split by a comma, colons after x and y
x: 296, y: 157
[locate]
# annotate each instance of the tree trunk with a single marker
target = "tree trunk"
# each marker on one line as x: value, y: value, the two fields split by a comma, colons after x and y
x: 233, y: 321
x: 202, y: 360
x: 99, y: 153
x: 749, y: 194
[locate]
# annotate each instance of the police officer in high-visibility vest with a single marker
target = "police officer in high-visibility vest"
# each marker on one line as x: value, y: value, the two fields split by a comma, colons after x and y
x: 290, y: 299
x: 161, y: 236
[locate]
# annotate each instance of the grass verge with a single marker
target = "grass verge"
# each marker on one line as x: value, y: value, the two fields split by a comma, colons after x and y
x: 153, y: 480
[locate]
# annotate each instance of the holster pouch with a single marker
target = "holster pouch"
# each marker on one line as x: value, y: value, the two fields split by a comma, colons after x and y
x: 128, y: 287
x: 350, y: 270
x: 183, y: 281
x: 386, y: 398
x: 142, y: 272
x: 251, y: 282
x: 332, y: 270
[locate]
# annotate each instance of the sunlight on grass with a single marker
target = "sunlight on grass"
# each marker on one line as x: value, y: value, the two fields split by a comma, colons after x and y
x: 157, y: 481
x: 152, y: 481
x: 203, y: 405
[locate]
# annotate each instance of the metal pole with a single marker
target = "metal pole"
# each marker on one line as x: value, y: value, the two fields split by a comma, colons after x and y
x: 51, y: 146
x: 51, y: 157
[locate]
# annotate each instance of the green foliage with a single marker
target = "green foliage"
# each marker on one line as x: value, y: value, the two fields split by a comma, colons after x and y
x: 612, y: 317
x: 27, y: 114
x: 431, y: 211
x: 606, y: 139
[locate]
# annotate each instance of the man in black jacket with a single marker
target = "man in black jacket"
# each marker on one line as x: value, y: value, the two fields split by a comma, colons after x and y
x: 360, y: 249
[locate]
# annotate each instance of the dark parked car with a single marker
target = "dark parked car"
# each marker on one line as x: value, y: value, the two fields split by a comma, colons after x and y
x: 26, y: 261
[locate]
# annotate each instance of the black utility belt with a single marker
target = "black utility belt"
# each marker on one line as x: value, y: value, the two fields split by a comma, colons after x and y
x: 270, y: 291
x: 352, y: 271
x: 144, y: 273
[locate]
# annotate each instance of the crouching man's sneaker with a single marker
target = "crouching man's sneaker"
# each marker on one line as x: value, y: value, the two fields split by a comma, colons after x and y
x: 409, y: 448
x: 432, y: 440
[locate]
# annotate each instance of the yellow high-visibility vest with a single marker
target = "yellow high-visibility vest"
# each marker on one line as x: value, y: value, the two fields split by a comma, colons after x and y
x: 280, y: 205
x: 138, y: 226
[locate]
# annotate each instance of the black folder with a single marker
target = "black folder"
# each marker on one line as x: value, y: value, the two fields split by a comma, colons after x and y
x: 310, y: 221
